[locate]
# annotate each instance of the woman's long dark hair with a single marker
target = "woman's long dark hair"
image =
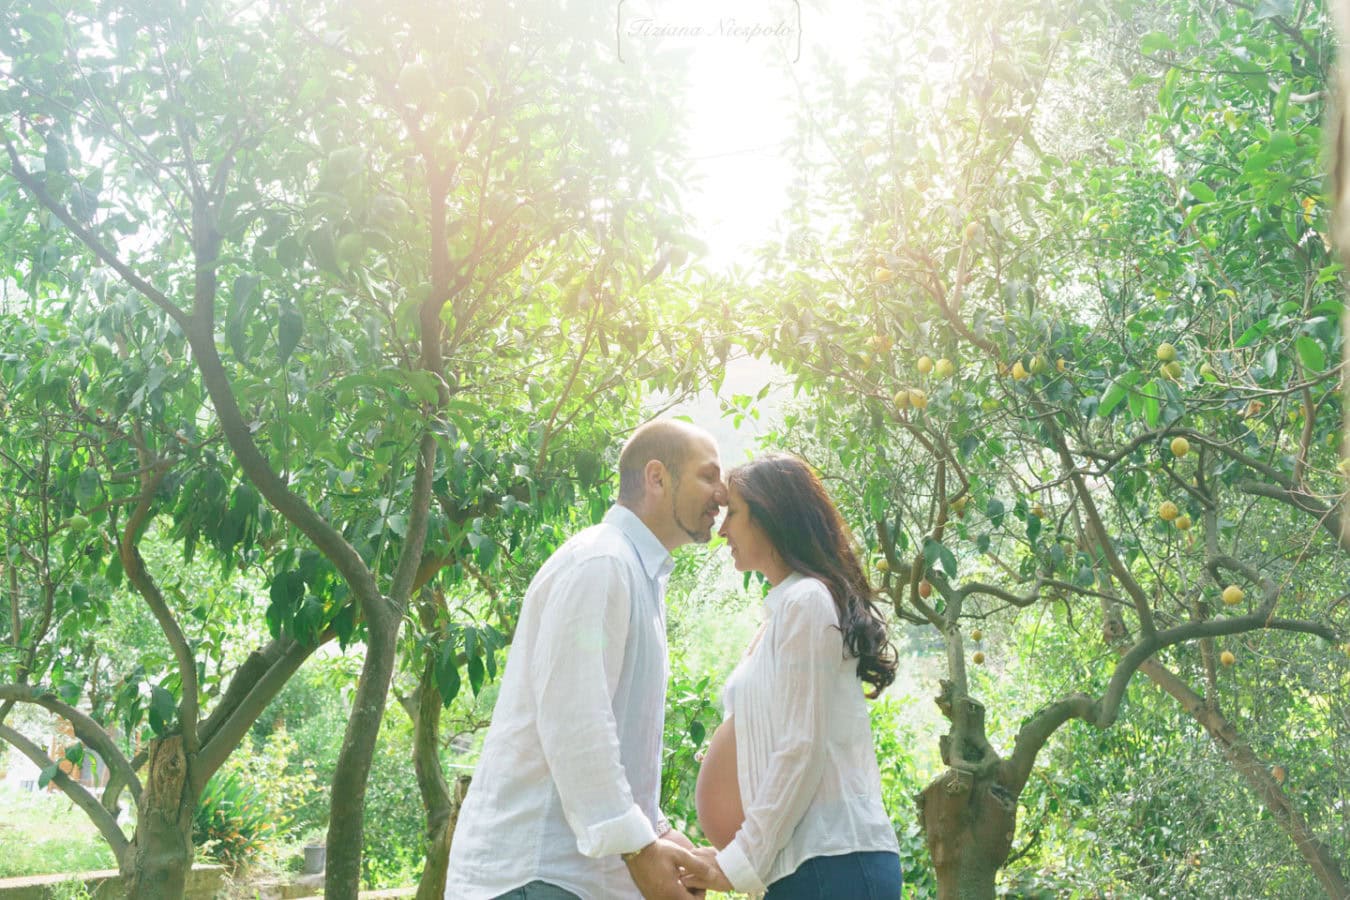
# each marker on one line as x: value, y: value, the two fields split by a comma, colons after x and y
x: 786, y: 499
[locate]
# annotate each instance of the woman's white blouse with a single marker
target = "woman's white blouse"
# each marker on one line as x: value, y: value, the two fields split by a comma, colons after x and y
x: 804, y: 757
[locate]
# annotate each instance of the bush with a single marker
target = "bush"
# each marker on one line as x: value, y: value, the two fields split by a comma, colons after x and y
x: 691, y: 717
x: 233, y: 823
x: 902, y: 777
x: 248, y: 806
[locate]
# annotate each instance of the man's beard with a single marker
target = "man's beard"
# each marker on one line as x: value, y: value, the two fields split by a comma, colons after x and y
x: 703, y: 535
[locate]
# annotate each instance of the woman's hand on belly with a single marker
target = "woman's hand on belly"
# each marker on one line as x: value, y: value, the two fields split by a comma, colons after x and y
x: 717, y: 795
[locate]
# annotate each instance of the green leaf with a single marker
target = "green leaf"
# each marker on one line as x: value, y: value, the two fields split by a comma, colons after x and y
x: 344, y: 625
x: 1252, y: 333
x: 935, y: 552
x: 476, y: 674
x: 56, y: 159
x: 75, y: 753
x: 696, y: 731
x: 161, y: 709
x: 447, y: 670
x: 114, y: 573
x: 290, y: 326
x: 1202, y: 192
x: 424, y: 385
x: 243, y: 300
x: 47, y: 774
x: 1310, y: 353
x: 1117, y: 392
x: 1033, y: 527
x: 995, y: 510
x: 1155, y: 41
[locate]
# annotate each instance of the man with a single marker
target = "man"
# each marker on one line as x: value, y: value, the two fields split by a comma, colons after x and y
x: 564, y: 803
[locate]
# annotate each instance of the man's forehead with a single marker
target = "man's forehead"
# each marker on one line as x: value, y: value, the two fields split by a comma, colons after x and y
x: 704, y: 456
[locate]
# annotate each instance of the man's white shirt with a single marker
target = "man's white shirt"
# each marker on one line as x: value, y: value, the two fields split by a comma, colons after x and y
x: 570, y: 774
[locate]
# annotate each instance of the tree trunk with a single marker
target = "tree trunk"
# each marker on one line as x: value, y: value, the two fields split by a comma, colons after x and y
x: 968, y: 814
x: 1258, y: 776
x: 441, y: 834
x: 160, y: 856
x: 342, y: 877
x: 435, y: 792
x: 968, y: 823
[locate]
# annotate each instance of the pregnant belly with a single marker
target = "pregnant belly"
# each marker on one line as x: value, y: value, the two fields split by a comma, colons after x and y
x: 717, y: 795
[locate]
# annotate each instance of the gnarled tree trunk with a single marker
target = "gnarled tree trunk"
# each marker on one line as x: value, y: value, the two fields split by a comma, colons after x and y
x: 160, y: 855
x: 969, y: 812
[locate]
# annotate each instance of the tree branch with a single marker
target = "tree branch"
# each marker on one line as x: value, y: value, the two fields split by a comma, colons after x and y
x: 225, y: 736
x: 134, y: 566
x: 90, y: 733
x: 1032, y: 736
x: 78, y: 793
x: 1329, y: 516
x: 90, y: 240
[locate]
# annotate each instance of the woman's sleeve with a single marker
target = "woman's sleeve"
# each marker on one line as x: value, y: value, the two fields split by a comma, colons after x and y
x: 809, y: 649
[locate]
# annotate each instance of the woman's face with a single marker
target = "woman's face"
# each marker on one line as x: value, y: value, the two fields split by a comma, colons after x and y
x: 751, y: 549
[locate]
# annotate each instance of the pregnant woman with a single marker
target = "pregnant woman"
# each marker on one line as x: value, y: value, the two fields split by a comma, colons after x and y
x: 789, y: 794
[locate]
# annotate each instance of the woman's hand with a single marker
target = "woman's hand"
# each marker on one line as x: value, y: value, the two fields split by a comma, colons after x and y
x: 712, y: 878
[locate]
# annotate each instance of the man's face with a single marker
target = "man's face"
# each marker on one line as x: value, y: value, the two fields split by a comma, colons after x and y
x: 698, y: 492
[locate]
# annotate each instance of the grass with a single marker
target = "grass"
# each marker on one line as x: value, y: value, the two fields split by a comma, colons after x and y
x: 46, y: 834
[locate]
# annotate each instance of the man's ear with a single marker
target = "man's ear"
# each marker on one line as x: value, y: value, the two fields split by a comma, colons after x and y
x: 655, y: 478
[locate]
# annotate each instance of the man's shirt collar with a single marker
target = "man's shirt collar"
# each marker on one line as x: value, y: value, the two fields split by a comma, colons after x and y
x: 656, y: 559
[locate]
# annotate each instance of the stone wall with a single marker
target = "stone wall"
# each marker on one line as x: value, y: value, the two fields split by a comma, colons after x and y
x: 205, y: 883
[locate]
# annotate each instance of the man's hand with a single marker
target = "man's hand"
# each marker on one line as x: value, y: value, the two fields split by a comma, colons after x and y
x: 708, y: 875
x: 657, y: 870
x: 677, y: 837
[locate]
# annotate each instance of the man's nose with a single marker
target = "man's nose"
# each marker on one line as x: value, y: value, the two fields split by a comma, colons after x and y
x: 720, y: 495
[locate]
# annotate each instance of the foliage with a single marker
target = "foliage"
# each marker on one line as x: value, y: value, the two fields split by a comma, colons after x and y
x: 903, y: 775
x: 1185, y: 826
x: 396, y: 828
x: 233, y: 822
x: 691, y: 718
x: 395, y: 271
x: 1080, y: 305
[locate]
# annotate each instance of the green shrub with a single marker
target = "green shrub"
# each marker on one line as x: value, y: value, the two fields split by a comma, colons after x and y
x: 248, y: 807
x: 233, y: 822
x: 902, y: 777
x: 691, y: 717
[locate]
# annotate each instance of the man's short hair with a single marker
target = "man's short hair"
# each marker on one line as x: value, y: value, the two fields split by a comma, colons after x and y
x: 665, y: 440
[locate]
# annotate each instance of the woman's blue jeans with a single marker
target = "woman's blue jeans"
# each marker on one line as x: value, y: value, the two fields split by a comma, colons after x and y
x: 852, y: 876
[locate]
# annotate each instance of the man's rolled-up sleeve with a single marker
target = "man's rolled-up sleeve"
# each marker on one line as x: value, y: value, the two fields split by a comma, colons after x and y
x: 579, y: 653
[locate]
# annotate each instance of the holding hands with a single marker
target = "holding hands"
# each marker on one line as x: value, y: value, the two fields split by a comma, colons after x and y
x: 707, y: 876
x: 667, y: 868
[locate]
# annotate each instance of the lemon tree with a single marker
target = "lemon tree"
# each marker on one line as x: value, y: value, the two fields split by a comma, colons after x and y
x: 1137, y: 295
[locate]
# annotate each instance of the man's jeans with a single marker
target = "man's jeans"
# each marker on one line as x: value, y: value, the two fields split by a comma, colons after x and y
x: 539, y: 890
